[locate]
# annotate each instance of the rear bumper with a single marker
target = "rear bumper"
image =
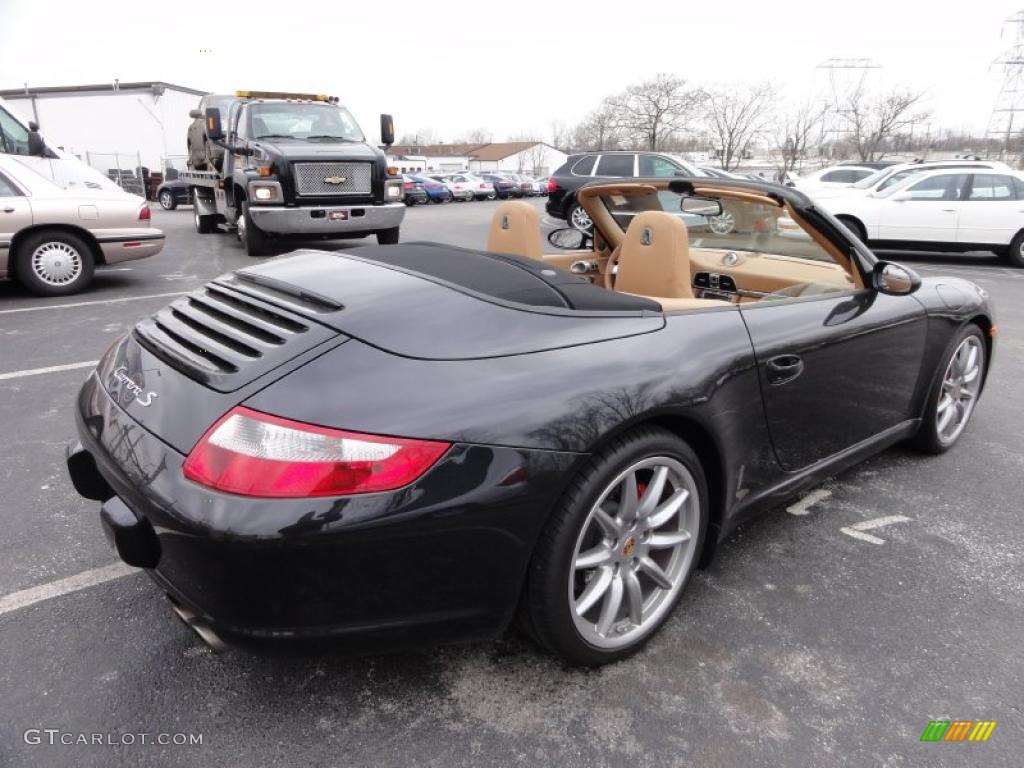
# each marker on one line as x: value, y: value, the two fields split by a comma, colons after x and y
x: 316, y: 220
x: 130, y: 245
x: 443, y: 558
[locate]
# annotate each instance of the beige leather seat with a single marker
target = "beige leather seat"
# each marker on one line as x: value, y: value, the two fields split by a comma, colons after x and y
x: 655, y: 257
x: 515, y: 229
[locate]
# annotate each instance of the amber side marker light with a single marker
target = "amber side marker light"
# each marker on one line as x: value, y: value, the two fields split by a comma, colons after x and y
x: 993, y: 331
x: 263, y: 170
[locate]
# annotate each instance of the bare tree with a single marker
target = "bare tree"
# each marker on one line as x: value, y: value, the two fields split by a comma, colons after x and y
x: 475, y: 136
x: 737, y: 116
x: 559, y: 134
x: 423, y: 136
x: 796, y: 131
x: 653, y: 111
x: 874, y: 122
x: 599, y: 130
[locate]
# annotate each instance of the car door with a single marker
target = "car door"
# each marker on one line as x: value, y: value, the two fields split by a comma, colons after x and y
x: 991, y: 211
x: 15, y: 215
x: 926, y: 211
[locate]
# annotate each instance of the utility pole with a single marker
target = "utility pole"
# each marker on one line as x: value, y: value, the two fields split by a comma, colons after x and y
x: 1007, y: 120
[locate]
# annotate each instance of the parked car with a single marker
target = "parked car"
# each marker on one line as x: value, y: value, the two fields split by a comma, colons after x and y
x: 482, y: 189
x: 202, y: 153
x: 888, y: 177
x: 437, y: 191
x: 504, y: 187
x: 583, y: 168
x: 876, y: 164
x: 51, y: 237
x: 962, y: 209
x: 171, y: 194
x: 832, y: 176
x: 526, y: 188
x: 421, y: 442
x: 414, y: 192
x: 541, y: 185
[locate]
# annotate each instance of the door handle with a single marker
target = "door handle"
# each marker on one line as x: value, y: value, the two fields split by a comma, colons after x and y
x: 784, y: 368
x: 8, y: 210
x: 949, y: 210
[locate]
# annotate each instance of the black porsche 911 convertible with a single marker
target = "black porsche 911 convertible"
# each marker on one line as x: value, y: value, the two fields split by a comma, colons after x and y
x: 394, y: 444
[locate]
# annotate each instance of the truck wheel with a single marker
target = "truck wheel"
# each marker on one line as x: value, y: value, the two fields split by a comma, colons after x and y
x: 54, y: 263
x: 205, y: 224
x: 256, y: 243
x: 388, y: 236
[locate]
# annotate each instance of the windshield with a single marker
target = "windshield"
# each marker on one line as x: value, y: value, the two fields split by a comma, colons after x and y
x: 896, y: 178
x: 742, y: 225
x: 869, y: 181
x: 307, y: 122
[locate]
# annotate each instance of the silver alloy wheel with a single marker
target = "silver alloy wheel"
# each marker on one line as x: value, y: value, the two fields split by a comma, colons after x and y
x: 959, y: 390
x: 166, y: 200
x: 240, y: 228
x: 722, y: 224
x: 633, y: 552
x: 579, y: 219
x: 56, y: 263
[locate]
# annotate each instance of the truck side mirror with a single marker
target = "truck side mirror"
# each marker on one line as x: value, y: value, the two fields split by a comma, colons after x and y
x: 196, y: 114
x: 387, y: 130
x: 214, y: 128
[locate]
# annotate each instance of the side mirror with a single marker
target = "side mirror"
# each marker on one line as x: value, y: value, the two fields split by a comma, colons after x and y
x: 894, y: 279
x: 214, y: 128
x: 902, y: 197
x: 36, y: 145
x: 387, y: 130
x: 196, y: 114
x: 569, y: 239
x: 701, y: 206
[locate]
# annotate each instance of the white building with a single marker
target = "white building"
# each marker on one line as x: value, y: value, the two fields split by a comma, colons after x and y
x: 111, y: 125
x: 533, y: 158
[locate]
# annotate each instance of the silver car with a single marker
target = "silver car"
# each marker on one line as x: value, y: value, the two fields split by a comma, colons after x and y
x: 52, y: 236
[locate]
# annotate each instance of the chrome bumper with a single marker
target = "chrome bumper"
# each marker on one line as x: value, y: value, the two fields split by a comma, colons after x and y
x: 314, y: 220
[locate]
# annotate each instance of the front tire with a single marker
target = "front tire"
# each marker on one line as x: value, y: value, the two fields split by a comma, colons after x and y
x: 618, y: 550
x: 388, y: 236
x: 856, y: 227
x: 254, y: 240
x: 954, y: 392
x: 167, y: 201
x: 54, y: 263
x: 1016, y: 252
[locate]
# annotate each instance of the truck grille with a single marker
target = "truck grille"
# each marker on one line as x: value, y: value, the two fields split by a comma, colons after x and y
x: 310, y: 178
x: 225, y: 337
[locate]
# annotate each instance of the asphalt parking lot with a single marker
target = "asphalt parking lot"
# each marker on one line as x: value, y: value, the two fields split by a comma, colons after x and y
x: 820, y: 636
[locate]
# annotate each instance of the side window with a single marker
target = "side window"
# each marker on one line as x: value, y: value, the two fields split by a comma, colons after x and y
x: 13, y: 136
x: 992, y: 187
x: 660, y: 167
x: 584, y: 166
x: 844, y: 176
x: 7, y: 189
x: 1018, y: 188
x: 934, y: 188
x: 616, y: 165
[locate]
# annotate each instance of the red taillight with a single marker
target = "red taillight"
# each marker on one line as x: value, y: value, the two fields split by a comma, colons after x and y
x: 552, y: 186
x: 408, y: 185
x: 144, y: 214
x: 255, y: 454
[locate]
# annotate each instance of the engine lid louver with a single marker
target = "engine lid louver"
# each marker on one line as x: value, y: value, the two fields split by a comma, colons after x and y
x: 233, y: 331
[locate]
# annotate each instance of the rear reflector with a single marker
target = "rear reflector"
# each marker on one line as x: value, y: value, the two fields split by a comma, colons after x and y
x: 255, y: 454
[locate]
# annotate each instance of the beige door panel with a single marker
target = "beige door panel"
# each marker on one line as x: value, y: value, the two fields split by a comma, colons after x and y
x: 767, y: 273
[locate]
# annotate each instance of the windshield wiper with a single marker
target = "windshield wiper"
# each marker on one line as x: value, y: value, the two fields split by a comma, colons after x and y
x: 328, y: 136
x: 275, y: 136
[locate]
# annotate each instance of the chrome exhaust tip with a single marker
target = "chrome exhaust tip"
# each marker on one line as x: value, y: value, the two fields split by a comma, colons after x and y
x: 205, y: 632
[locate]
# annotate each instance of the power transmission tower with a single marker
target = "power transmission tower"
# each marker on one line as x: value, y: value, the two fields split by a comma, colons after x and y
x: 845, y: 76
x: 1007, y: 120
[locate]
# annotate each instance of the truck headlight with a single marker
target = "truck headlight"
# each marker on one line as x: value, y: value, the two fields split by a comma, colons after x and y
x: 265, y: 192
x: 393, y: 190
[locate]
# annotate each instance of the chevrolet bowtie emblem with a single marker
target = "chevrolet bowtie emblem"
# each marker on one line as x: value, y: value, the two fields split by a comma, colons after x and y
x: 335, y: 180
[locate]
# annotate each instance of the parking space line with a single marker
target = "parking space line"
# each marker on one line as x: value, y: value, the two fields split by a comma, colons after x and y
x: 47, y: 369
x: 90, y: 303
x: 803, y: 506
x: 83, y: 580
x: 857, y: 531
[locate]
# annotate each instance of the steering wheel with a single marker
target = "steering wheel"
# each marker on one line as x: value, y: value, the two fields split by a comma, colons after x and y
x: 609, y: 269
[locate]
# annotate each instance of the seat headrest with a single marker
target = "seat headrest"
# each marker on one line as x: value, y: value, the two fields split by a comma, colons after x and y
x: 515, y: 229
x: 655, y: 257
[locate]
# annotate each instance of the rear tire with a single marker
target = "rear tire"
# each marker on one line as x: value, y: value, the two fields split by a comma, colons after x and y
x: 256, y: 243
x: 204, y: 223
x: 54, y: 263
x: 1016, y: 252
x: 955, y: 387
x: 579, y: 218
x: 552, y: 611
x: 388, y: 236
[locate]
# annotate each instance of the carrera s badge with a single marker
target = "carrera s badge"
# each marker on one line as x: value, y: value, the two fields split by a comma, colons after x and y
x: 142, y: 398
x: 335, y: 179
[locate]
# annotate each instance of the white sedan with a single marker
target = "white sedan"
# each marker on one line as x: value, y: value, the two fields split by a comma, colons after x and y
x: 830, y: 177
x: 466, y: 186
x: 51, y: 236
x: 950, y: 210
x: 882, y: 180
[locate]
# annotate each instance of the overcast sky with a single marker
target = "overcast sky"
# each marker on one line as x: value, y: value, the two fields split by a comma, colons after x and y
x: 513, y: 67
